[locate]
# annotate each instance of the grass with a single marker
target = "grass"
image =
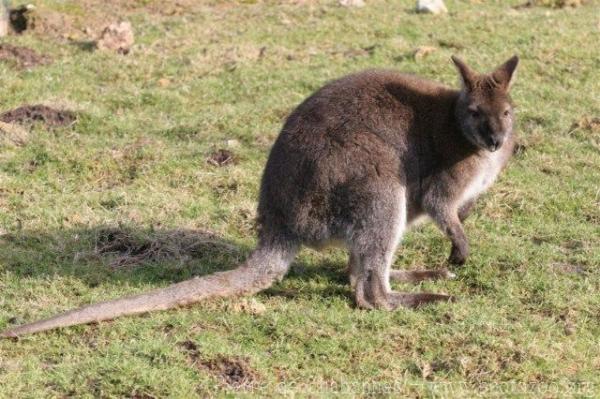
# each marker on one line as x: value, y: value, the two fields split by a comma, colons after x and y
x: 124, y: 200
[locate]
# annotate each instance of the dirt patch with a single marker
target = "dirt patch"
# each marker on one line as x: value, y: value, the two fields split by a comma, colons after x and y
x: 125, y: 248
x: 190, y: 347
x: 221, y: 157
x: 22, y: 57
x: 40, y: 20
x: 38, y: 113
x: 233, y: 371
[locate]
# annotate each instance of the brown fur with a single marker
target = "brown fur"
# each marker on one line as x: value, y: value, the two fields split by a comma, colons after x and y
x: 356, y: 163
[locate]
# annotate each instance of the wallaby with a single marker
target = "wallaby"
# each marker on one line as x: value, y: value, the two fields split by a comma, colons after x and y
x: 357, y: 163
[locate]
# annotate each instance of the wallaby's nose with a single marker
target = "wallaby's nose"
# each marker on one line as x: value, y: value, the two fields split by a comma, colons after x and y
x: 496, y: 142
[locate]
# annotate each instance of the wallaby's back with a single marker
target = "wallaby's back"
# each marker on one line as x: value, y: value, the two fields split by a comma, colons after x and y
x: 373, y: 123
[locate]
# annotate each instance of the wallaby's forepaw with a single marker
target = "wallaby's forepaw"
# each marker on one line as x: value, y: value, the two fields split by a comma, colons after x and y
x: 458, y: 256
x: 415, y: 276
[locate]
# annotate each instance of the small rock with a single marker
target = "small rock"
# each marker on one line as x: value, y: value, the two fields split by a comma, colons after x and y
x: 431, y: 6
x: 352, y: 3
x: 116, y: 37
x: 233, y: 143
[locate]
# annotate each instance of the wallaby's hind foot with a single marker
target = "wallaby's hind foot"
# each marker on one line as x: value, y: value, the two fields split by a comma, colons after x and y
x: 415, y: 276
x: 370, y: 296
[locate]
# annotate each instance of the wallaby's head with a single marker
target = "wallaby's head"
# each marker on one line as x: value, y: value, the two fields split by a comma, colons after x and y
x: 484, y: 109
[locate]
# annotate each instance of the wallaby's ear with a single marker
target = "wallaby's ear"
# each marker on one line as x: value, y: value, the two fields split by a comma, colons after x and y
x: 505, y: 74
x: 467, y: 75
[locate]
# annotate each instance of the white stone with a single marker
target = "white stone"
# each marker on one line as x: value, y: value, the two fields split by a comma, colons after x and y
x: 117, y: 36
x: 431, y: 6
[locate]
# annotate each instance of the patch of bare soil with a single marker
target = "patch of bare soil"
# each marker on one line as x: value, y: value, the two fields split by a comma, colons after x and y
x: 22, y: 57
x: 126, y: 248
x: 41, y: 20
x: 221, y: 157
x: 39, y: 113
x: 233, y: 371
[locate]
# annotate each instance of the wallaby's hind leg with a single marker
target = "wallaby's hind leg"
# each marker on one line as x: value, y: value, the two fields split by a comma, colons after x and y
x: 372, y: 288
x: 465, y: 210
x: 372, y: 249
x: 353, y: 269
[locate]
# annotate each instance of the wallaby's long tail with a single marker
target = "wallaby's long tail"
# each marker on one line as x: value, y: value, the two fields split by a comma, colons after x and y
x: 262, y: 268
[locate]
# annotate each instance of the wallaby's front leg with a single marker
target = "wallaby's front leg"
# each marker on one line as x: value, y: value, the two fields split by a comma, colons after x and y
x: 465, y: 210
x: 450, y: 224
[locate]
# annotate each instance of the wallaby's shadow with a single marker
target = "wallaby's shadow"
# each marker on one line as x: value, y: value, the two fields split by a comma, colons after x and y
x: 137, y: 255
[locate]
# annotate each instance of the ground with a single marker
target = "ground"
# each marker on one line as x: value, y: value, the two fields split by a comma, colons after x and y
x: 156, y: 181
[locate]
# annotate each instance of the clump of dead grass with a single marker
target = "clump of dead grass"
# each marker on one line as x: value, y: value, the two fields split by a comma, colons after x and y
x: 13, y: 135
x: 126, y: 247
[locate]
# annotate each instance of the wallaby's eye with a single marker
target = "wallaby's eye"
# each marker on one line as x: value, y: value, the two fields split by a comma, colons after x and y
x: 474, y: 113
x: 507, y: 112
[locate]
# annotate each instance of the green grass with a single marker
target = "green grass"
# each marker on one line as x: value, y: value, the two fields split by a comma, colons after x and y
x: 528, y: 320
